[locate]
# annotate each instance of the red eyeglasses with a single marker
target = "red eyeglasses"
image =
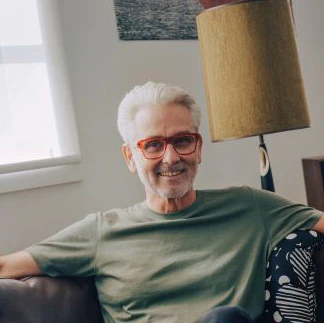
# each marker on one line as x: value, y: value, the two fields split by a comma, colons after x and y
x: 155, y: 147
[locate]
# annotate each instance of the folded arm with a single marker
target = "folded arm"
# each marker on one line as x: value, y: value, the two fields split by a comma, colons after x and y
x: 18, y: 264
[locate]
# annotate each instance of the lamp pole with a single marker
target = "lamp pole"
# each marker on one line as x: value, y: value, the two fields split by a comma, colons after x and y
x: 265, y: 168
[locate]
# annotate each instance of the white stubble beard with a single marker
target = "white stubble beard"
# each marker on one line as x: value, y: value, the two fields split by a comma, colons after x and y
x: 173, y: 192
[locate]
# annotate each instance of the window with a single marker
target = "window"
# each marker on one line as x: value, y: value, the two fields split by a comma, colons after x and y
x: 38, y: 137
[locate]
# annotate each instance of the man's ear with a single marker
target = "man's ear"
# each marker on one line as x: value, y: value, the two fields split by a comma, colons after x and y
x: 128, y: 155
x: 199, y: 148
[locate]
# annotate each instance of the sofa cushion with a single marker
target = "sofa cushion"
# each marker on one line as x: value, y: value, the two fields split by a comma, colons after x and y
x: 290, y: 294
x: 319, y: 262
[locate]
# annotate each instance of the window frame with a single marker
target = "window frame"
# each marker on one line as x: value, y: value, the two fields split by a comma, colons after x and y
x: 57, y: 170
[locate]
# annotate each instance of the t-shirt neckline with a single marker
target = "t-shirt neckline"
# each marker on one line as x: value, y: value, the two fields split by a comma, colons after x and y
x: 174, y: 215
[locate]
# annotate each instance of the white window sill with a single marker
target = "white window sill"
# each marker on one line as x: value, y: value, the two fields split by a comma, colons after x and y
x: 40, y: 177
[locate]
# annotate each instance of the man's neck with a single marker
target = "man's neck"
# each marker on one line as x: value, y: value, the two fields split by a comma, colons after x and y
x: 170, y: 205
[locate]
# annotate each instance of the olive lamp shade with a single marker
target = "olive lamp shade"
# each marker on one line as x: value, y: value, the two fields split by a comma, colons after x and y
x: 252, y: 74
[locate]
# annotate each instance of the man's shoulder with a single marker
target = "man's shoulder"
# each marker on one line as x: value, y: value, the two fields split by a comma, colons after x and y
x: 224, y: 197
x: 232, y: 191
x: 120, y: 215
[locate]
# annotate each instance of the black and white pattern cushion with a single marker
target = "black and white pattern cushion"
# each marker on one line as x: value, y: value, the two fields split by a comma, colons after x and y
x: 290, y: 283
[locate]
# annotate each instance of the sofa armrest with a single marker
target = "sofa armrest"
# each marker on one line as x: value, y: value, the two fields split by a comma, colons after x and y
x: 49, y: 300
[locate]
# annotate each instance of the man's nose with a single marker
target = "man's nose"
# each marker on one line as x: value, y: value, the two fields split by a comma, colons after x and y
x: 170, y: 155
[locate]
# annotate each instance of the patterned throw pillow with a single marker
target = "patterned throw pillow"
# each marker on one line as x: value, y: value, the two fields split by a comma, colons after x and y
x: 290, y: 283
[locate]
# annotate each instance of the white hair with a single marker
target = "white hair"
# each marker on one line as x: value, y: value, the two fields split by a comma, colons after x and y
x: 152, y: 94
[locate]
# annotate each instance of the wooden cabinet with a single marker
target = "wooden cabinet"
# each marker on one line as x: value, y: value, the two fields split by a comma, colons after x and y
x: 314, y: 181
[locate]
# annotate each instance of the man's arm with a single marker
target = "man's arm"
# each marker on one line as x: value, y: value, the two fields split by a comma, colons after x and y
x: 319, y: 225
x: 18, y: 264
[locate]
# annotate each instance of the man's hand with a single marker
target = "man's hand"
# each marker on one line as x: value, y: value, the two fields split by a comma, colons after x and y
x: 319, y: 226
x: 18, y: 265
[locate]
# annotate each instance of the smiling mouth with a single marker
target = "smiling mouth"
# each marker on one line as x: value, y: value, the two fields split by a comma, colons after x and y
x: 171, y: 174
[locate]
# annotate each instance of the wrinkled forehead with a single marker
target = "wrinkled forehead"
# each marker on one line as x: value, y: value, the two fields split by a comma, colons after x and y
x: 161, y: 120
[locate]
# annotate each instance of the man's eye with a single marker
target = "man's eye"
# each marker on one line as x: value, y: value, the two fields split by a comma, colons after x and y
x: 183, y: 141
x: 153, y: 145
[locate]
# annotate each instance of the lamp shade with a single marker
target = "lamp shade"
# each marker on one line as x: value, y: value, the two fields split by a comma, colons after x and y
x: 251, y: 68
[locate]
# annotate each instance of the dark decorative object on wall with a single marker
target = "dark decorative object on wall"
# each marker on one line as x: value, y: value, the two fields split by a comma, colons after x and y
x: 156, y: 20
x: 313, y: 168
x: 214, y: 3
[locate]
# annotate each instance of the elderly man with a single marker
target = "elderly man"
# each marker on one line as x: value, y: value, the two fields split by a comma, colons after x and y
x: 182, y: 255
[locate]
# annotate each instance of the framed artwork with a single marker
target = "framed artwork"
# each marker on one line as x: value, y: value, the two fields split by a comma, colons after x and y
x: 156, y: 19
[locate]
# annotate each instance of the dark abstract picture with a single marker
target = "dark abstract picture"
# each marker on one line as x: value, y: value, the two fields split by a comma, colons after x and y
x: 156, y: 19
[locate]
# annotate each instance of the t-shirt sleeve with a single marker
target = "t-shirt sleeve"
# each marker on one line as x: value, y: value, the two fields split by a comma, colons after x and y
x: 282, y: 216
x: 70, y: 252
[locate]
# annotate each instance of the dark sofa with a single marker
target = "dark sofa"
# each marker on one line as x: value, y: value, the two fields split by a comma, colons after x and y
x: 40, y: 299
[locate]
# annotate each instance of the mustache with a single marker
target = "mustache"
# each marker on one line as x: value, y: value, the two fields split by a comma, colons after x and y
x: 170, y: 168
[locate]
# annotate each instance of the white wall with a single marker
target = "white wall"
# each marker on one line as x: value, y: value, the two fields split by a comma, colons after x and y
x: 102, y: 69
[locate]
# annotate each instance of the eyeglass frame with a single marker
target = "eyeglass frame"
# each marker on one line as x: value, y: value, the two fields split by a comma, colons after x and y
x: 167, y: 141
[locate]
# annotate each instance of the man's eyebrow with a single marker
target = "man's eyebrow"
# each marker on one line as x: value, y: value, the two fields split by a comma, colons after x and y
x: 181, y: 133
x: 161, y: 137
x: 176, y: 134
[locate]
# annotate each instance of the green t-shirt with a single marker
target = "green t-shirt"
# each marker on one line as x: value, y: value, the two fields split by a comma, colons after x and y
x: 173, y: 268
